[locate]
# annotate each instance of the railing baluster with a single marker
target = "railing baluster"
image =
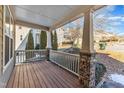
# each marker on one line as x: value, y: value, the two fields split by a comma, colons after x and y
x: 74, y: 64
x: 78, y: 66
x: 23, y: 56
x: 18, y: 56
x: 66, y: 60
x: 29, y: 55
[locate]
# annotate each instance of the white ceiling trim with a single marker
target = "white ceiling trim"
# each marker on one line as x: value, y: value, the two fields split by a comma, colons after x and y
x: 51, y: 16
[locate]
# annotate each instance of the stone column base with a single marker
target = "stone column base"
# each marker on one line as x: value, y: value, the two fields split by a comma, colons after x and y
x: 87, y: 70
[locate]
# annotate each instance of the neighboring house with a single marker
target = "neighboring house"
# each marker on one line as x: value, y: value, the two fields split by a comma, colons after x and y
x: 22, y: 45
x: 21, y: 33
x: 36, y: 36
x: 60, y: 35
x: 22, y: 37
x: 63, y: 34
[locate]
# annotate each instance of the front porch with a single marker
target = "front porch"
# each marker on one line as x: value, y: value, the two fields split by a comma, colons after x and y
x: 42, y: 74
x: 60, y: 69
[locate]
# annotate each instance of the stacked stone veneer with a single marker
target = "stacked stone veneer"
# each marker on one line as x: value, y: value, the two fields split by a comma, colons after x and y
x: 87, y: 70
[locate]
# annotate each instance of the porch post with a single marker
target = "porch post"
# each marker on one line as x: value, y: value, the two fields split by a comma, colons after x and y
x: 48, y: 44
x: 87, y: 53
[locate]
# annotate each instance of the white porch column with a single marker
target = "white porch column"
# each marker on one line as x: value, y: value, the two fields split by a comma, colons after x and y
x: 87, y: 66
x: 49, y: 46
x: 48, y: 40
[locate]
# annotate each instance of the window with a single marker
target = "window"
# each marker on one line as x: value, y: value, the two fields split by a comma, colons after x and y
x: 9, y: 27
x: 20, y: 27
x: 21, y: 38
x: 11, y: 38
x: 6, y: 49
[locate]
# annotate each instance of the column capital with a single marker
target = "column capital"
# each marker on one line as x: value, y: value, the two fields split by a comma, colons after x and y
x: 89, y: 11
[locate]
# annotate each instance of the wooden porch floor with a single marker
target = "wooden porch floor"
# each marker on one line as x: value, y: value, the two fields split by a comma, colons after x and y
x: 41, y: 75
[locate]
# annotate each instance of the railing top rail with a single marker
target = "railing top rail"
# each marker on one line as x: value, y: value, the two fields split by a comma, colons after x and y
x: 30, y: 50
x: 65, y: 53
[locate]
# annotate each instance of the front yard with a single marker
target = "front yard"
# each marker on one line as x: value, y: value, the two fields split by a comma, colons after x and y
x: 114, y: 54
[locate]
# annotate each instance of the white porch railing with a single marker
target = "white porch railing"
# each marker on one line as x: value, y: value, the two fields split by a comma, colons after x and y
x: 22, y: 56
x: 67, y: 61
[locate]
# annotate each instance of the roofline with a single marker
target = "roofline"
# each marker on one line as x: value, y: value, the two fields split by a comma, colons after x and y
x: 32, y: 25
x: 75, y: 16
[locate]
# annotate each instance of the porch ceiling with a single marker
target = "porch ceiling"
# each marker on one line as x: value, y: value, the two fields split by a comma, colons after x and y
x: 49, y: 15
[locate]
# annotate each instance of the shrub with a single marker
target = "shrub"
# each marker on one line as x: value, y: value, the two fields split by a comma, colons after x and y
x: 30, y: 42
x: 52, y: 41
x: 102, y: 45
x: 99, y: 72
x: 55, y: 41
x: 43, y: 40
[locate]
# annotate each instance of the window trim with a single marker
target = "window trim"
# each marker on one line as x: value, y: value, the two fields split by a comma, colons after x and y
x: 11, y: 36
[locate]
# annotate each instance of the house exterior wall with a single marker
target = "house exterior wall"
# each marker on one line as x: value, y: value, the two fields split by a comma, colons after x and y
x: 21, y: 33
x: 22, y: 36
x: 1, y: 38
x: 6, y: 67
x: 60, y: 35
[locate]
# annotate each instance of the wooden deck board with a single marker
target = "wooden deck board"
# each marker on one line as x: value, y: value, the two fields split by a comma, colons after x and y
x: 35, y: 79
x: 68, y: 82
x: 46, y: 75
x: 41, y: 75
x: 11, y: 81
x: 59, y: 76
x: 21, y: 81
x: 16, y: 80
x: 26, y: 79
x: 31, y: 82
x: 51, y: 77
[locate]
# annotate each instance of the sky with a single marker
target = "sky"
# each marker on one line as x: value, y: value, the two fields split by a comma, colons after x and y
x: 114, y: 16
x: 109, y: 18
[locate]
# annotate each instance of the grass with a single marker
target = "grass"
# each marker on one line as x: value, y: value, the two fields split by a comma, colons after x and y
x: 114, y: 54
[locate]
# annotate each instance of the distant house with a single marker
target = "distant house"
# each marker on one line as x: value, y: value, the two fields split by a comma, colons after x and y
x: 22, y: 36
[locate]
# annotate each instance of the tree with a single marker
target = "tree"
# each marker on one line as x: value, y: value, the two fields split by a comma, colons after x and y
x: 30, y: 42
x: 55, y: 41
x: 74, y: 35
x: 43, y: 40
x: 52, y: 43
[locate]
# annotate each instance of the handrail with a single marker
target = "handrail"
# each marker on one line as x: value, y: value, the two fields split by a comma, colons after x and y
x: 32, y: 50
x: 67, y: 61
x: 22, y: 56
x: 65, y: 53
